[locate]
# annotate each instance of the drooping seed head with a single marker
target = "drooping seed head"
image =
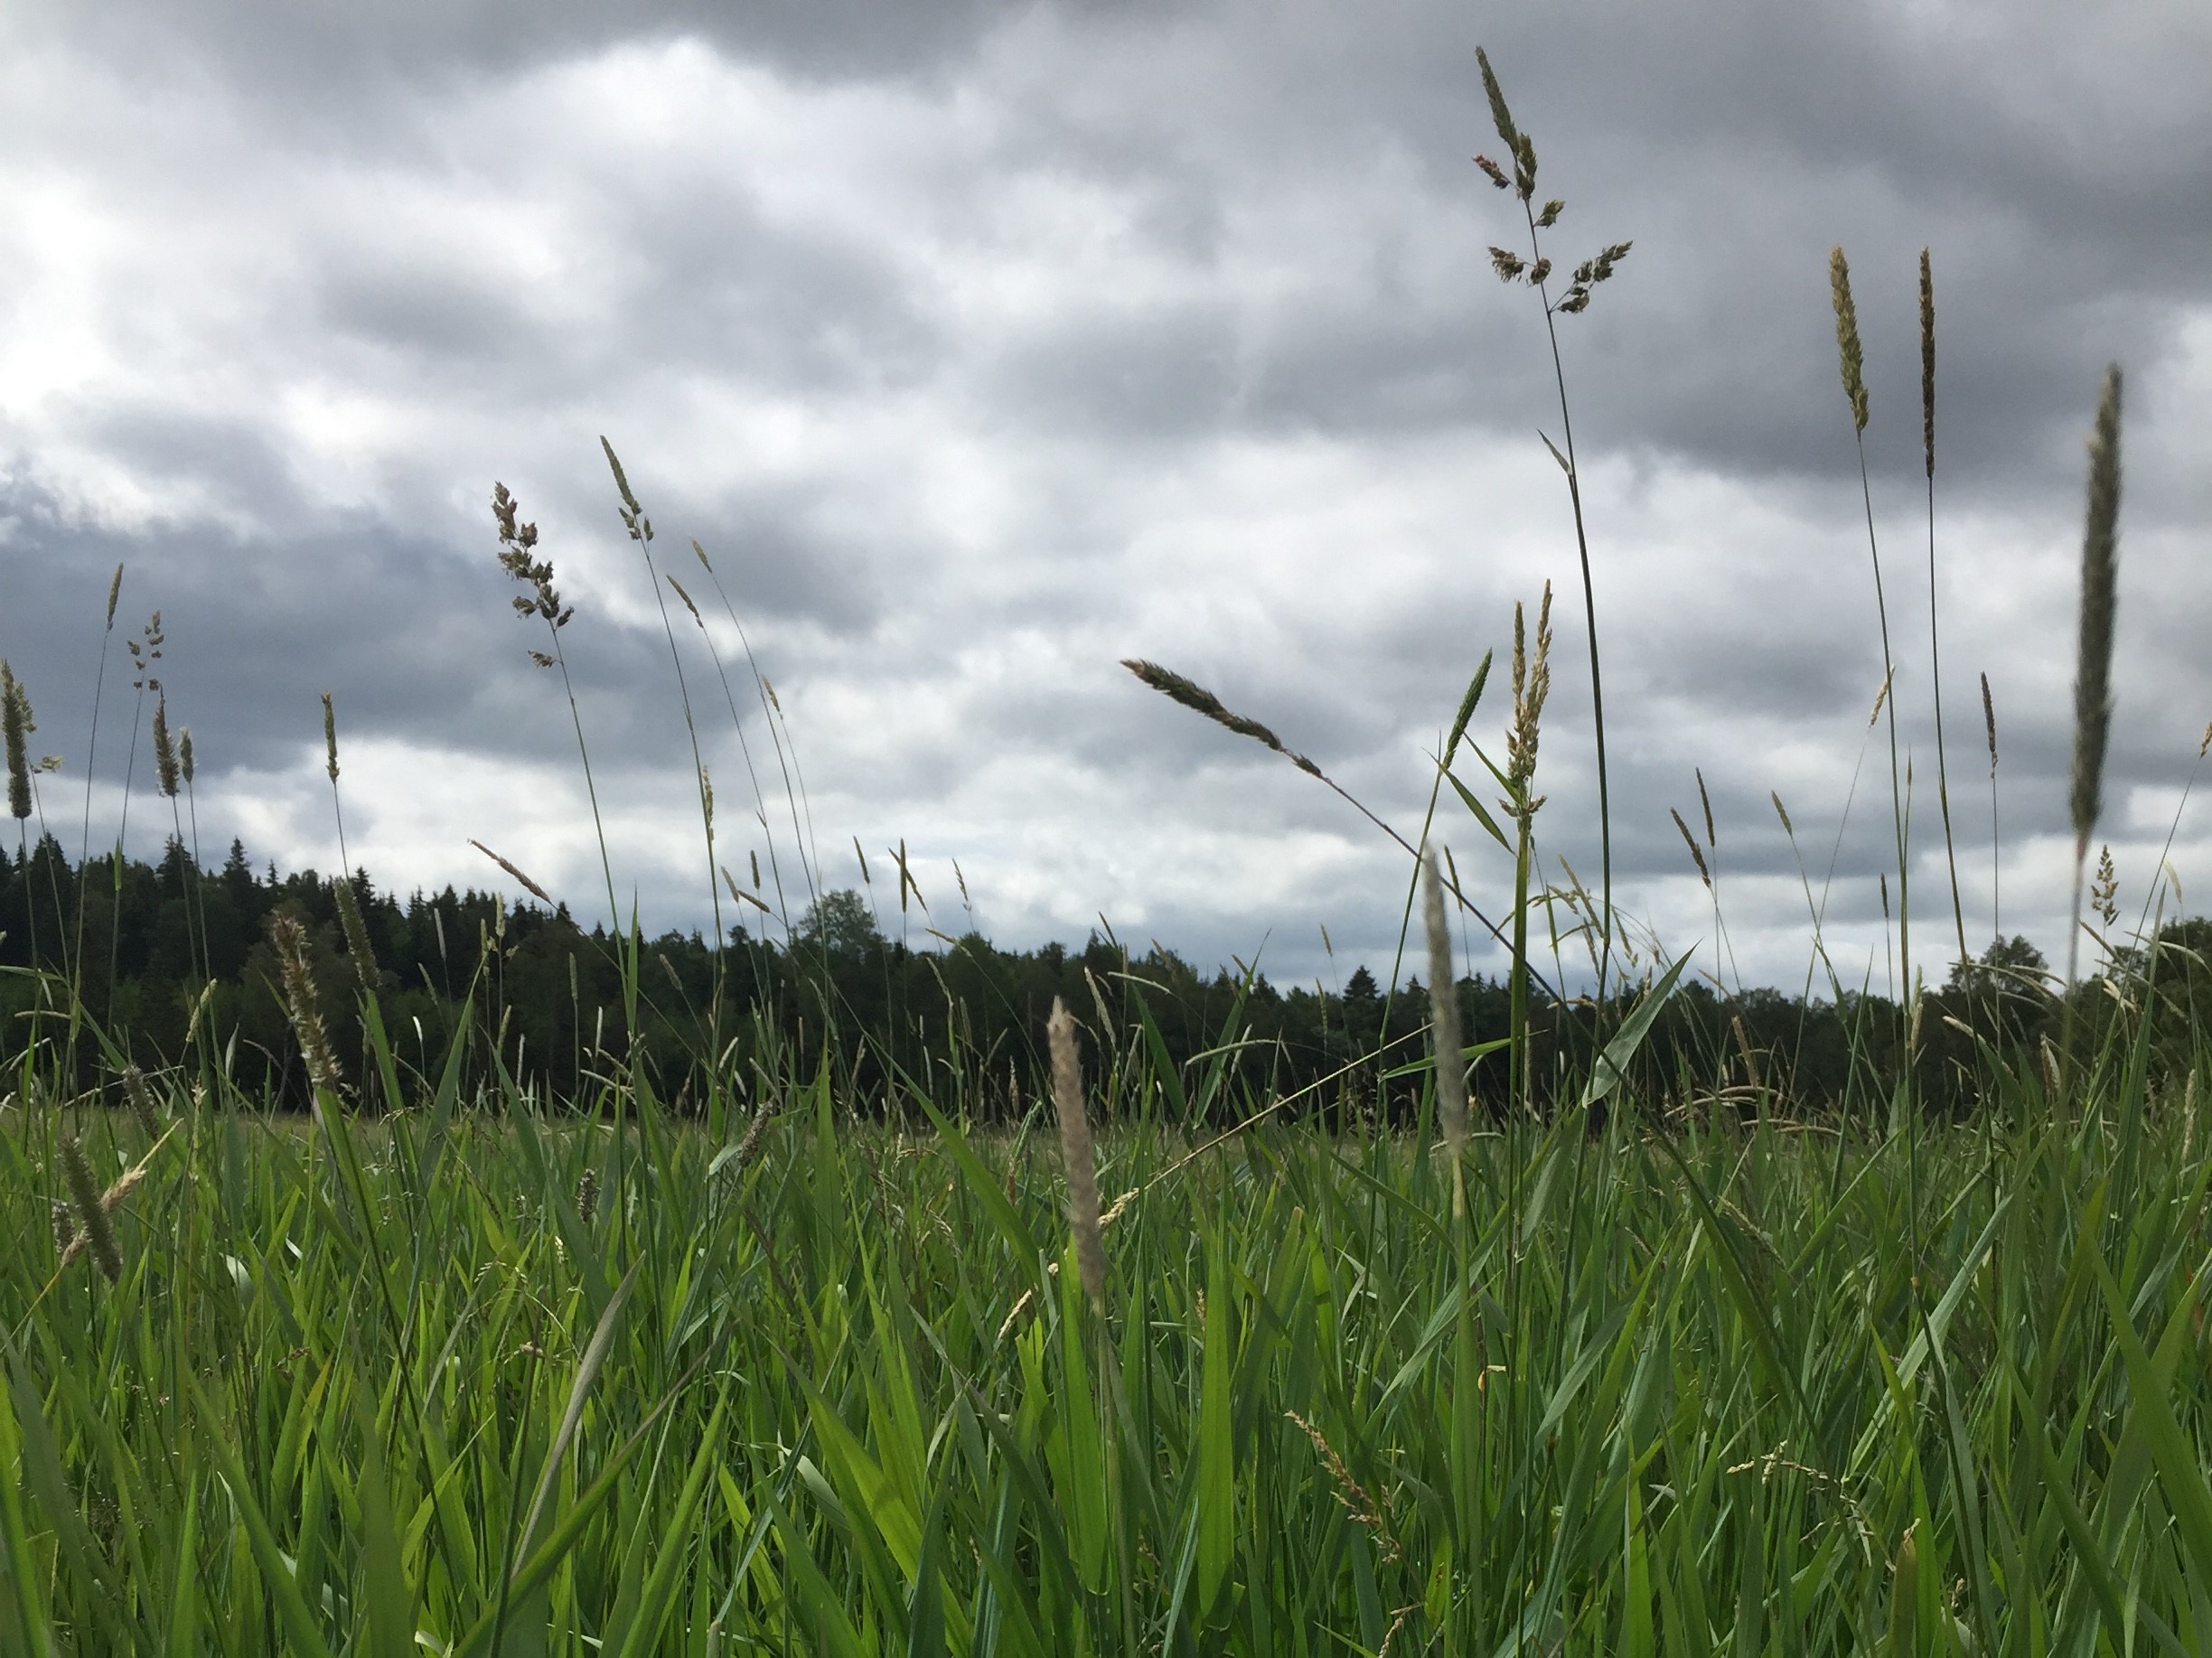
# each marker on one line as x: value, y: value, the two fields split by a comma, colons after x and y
x: 1696, y: 852
x: 528, y: 884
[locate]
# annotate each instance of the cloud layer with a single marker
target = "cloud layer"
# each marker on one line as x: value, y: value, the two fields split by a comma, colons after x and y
x: 982, y: 346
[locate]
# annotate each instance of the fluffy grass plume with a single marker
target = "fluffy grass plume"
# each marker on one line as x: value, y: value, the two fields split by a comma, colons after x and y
x: 289, y: 939
x: 2099, y: 595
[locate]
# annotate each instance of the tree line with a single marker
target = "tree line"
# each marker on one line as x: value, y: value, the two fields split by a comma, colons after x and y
x: 124, y: 962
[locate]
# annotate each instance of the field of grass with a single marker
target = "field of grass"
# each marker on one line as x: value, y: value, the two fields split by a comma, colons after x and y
x: 479, y: 1385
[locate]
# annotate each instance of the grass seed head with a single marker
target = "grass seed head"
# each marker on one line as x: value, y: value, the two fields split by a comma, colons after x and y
x: 91, y: 1216
x: 587, y: 1196
x: 184, y: 754
x: 1928, y: 362
x: 1076, y: 1154
x: 1532, y: 684
x: 289, y: 939
x: 1989, y: 724
x: 527, y: 884
x: 166, y: 765
x: 15, y: 719
x: 356, y: 934
x: 2099, y: 595
x: 139, y: 1095
x: 1443, y: 1012
x: 1197, y: 698
x: 1852, y: 359
x: 330, y: 736
x: 115, y: 591
x: 1696, y: 852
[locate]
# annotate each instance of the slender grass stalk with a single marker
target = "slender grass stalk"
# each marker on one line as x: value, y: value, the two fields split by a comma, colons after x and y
x: 639, y: 527
x: 1989, y: 730
x: 1851, y: 360
x: 1537, y: 271
x: 518, y: 544
x: 84, y: 847
x: 1927, y: 440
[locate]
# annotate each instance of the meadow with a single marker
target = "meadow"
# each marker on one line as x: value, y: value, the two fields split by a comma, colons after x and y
x: 749, y: 1347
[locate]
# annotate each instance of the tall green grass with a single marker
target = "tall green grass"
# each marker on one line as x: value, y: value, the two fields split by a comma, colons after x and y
x: 521, y: 1385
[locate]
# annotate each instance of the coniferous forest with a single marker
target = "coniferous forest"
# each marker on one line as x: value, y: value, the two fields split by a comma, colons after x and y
x: 156, y: 947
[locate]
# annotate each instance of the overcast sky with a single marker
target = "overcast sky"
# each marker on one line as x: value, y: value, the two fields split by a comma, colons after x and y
x: 982, y: 346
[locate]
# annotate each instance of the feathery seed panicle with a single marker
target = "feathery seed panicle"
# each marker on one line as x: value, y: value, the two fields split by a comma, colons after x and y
x: 16, y: 722
x: 115, y: 591
x: 1852, y: 359
x: 518, y: 543
x: 1705, y: 800
x: 91, y: 1216
x: 1444, y: 1014
x: 528, y: 884
x: 330, y: 736
x: 2100, y: 582
x: 1075, y: 1153
x: 184, y: 754
x: 2105, y: 888
x: 290, y: 941
x: 166, y: 765
x: 1989, y: 723
x: 1782, y: 813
